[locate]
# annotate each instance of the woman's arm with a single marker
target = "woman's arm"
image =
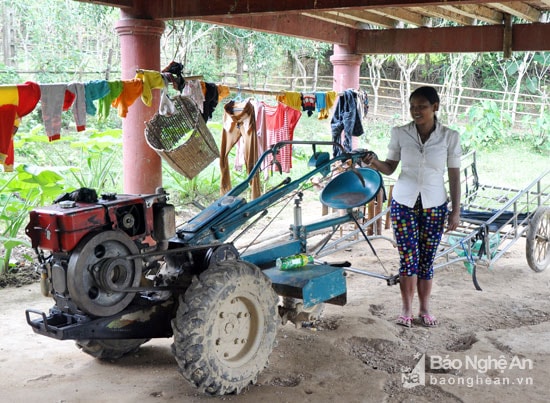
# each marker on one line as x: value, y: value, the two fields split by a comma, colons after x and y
x: 386, y: 167
x: 454, y: 189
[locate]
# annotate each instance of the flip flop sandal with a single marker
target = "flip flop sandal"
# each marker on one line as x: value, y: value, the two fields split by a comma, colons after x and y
x: 405, y: 321
x: 428, y: 320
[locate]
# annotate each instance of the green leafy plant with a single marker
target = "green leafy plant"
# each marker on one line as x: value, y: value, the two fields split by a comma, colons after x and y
x: 487, y: 126
x: 99, y: 154
x: 8, y: 75
x: 199, y: 191
x: 86, y: 160
x: 20, y: 193
x: 536, y: 132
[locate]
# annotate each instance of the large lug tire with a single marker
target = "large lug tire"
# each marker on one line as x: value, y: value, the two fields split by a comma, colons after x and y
x: 98, y: 267
x: 225, y: 328
x: 110, y: 349
x: 537, y: 246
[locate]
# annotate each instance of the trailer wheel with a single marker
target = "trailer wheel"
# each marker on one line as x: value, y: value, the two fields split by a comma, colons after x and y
x: 538, y: 237
x: 110, y: 349
x: 225, y: 327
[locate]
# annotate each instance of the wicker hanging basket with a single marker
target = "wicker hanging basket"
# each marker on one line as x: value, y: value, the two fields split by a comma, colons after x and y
x: 182, y: 139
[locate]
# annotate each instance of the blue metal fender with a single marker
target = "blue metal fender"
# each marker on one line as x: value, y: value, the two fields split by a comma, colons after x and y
x: 313, y: 283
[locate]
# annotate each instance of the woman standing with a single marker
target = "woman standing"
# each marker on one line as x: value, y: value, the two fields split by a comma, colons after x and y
x: 419, y: 202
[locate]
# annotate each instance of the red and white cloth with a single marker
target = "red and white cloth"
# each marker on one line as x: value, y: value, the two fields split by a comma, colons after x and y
x: 280, y: 122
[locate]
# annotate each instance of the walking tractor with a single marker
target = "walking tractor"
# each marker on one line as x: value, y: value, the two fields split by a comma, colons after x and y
x: 121, y: 272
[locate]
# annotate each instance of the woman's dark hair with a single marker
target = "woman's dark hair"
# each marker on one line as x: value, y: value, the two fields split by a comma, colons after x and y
x: 426, y: 92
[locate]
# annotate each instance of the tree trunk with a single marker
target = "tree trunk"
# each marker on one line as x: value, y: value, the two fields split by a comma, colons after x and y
x: 301, y: 70
x: 522, y: 69
x: 374, y: 64
x: 315, y: 75
x: 7, y: 36
x: 451, y: 94
x: 407, y: 66
x: 239, y: 54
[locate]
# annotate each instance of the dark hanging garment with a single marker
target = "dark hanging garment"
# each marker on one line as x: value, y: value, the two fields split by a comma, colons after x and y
x: 346, y: 118
x: 210, y: 101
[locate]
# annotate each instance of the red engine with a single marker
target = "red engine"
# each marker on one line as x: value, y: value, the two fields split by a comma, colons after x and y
x: 60, y: 227
x: 88, y: 269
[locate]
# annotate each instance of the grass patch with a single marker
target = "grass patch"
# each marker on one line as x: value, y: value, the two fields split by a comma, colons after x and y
x: 512, y: 165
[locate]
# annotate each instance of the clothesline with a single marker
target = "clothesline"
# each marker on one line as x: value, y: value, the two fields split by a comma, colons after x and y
x: 266, y: 92
x: 196, y: 77
x: 16, y: 101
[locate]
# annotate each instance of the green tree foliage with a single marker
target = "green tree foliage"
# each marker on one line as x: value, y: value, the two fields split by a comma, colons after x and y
x: 9, y: 76
x: 251, y: 56
x: 60, y: 39
x: 487, y: 127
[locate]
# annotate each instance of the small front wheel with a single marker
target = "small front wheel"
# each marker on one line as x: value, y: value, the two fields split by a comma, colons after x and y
x: 538, y: 237
x: 225, y: 327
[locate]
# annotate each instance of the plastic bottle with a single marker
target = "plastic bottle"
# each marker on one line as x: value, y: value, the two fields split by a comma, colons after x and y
x: 294, y: 261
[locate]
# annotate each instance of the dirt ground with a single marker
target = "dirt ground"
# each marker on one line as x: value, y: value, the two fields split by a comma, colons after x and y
x: 491, y: 345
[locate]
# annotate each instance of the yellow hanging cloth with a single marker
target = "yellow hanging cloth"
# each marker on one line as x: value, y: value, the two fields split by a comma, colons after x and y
x: 151, y: 80
x: 330, y: 98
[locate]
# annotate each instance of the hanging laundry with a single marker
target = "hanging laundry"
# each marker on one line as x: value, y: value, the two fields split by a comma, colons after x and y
x: 325, y: 103
x: 291, y: 98
x: 151, y: 80
x: 281, y: 120
x: 170, y: 80
x: 54, y: 99
x: 10, y: 157
x: 308, y: 103
x: 261, y: 132
x: 320, y: 101
x: 173, y: 72
x: 79, y: 105
x: 210, y: 101
x: 115, y: 88
x: 261, y: 138
x: 131, y: 90
x: 166, y: 105
x: 16, y: 101
x: 239, y: 121
x: 346, y: 118
x: 95, y: 89
x: 223, y: 92
x: 9, y: 121
x: 193, y: 89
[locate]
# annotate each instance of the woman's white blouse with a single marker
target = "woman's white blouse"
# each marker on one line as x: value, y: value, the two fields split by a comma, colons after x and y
x: 423, y: 165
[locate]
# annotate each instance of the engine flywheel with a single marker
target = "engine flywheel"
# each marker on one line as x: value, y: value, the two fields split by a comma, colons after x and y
x: 98, y: 270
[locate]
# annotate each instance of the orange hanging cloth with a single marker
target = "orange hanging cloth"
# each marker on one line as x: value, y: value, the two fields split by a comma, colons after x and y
x: 131, y: 90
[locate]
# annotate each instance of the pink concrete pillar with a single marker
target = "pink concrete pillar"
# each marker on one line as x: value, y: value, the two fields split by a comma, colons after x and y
x: 140, y: 49
x: 346, y: 69
x: 346, y: 73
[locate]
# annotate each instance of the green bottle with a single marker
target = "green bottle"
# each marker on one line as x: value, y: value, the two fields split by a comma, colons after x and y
x: 293, y: 262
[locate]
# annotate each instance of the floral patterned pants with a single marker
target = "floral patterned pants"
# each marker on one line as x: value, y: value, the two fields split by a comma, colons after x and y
x: 417, y: 232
